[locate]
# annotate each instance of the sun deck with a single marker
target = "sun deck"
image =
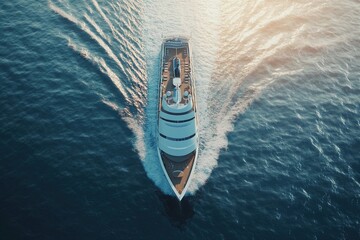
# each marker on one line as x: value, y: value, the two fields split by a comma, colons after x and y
x: 182, y: 53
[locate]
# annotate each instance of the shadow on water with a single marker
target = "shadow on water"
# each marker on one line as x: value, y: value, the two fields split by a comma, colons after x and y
x: 177, y: 211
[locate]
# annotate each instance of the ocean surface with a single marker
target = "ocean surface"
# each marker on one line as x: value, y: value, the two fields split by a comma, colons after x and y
x: 278, y: 87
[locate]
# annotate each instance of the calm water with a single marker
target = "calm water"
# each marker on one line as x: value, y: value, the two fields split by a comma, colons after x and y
x: 278, y: 86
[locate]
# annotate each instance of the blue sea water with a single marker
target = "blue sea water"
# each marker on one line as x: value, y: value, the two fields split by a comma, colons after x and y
x: 278, y: 87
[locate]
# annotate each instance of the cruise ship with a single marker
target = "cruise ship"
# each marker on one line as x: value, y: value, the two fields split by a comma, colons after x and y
x: 177, y: 135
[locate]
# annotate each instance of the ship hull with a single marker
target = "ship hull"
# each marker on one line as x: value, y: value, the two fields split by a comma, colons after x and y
x: 177, y: 133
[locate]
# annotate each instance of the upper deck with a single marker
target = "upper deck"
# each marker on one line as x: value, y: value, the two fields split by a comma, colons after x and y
x: 176, y: 49
x: 177, y: 112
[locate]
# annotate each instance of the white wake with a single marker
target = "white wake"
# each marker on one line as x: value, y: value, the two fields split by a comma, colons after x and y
x: 235, y: 56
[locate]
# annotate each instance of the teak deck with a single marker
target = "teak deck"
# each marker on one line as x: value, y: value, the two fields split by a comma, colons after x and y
x: 168, y: 72
x: 178, y: 172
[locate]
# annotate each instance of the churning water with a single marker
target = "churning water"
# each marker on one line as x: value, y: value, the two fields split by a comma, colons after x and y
x: 278, y: 88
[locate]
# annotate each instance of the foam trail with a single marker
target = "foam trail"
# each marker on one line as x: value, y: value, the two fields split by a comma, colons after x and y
x: 134, y: 125
x: 106, y: 19
x: 129, y: 62
x: 136, y: 92
x: 124, y: 91
x: 118, y: 36
x: 84, y: 52
x: 244, y: 69
x: 98, y: 29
